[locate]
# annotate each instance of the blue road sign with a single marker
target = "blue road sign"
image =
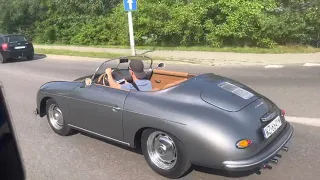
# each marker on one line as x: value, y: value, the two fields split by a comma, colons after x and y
x: 130, y: 5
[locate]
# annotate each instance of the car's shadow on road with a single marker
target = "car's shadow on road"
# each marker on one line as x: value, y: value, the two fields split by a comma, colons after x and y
x: 35, y: 58
x: 224, y: 173
x: 39, y: 56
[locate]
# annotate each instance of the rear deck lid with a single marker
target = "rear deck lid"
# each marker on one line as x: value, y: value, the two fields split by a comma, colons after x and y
x: 228, y: 95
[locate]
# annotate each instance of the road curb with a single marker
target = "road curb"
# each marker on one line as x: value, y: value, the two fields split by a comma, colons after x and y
x: 274, y: 66
x: 311, y: 64
x: 198, y: 62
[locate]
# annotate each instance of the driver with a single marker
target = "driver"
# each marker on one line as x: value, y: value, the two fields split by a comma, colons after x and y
x: 140, y: 82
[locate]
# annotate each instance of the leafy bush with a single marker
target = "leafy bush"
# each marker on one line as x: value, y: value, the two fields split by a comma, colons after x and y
x: 215, y: 23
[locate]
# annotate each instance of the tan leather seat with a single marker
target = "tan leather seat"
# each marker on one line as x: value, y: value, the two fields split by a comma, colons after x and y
x: 174, y: 83
x: 155, y: 89
x: 163, y: 79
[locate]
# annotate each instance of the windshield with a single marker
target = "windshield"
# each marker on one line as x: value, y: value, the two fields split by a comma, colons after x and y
x: 15, y: 38
x: 115, y: 63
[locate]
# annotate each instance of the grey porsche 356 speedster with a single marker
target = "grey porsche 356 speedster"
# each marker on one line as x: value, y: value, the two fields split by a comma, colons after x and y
x: 205, y: 119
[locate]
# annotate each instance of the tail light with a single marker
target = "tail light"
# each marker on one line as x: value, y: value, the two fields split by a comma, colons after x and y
x: 244, y: 143
x: 4, y: 46
x: 283, y: 112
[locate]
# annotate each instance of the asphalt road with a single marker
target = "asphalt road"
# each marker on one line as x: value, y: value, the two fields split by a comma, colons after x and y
x: 49, y: 156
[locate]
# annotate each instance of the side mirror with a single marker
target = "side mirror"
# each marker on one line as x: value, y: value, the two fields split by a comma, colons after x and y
x: 124, y: 60
x: 88, y: 82
x: 161, y: 65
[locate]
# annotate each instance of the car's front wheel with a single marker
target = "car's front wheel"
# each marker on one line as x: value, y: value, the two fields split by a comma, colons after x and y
x: 55, y: 119
x: 164, y: 153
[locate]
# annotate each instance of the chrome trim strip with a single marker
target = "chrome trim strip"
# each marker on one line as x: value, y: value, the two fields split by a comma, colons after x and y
x: 72, y: 98
x: 106, y: 137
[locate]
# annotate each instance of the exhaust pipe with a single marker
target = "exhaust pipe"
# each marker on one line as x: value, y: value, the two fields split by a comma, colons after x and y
x: 278, y: 155
x: 274, y: 161
x: 266, y: 166
x: 285, y: 148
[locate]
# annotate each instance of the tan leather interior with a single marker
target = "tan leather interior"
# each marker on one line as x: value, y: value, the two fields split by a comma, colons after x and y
x: 155, y: 89
x: 173, y: 83
x: 162, y: 79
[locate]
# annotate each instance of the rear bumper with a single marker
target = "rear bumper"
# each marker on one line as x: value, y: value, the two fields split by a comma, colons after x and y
x: 263, y: 157
x: 18, y: 53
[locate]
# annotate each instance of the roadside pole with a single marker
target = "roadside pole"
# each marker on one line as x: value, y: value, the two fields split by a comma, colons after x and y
x: 129, y: 6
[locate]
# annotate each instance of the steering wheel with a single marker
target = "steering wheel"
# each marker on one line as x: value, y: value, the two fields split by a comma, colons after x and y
x: 104, y: 76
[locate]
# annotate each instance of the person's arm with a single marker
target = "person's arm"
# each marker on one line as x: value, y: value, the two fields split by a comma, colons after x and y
x: 112, y: 83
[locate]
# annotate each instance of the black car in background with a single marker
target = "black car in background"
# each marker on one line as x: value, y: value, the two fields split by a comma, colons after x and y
x: 15, y: 46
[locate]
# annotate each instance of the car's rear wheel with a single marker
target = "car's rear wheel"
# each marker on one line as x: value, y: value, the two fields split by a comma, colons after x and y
x: 164, y: 153
x: 30, y: 57
x: 2, y: 60
x: 55, y: 119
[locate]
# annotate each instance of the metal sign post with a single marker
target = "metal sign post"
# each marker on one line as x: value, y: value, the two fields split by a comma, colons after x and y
x: 129, y: 6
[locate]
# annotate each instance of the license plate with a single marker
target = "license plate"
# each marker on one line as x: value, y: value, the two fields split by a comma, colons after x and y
x: 19, y: 47
x: 272, y: 127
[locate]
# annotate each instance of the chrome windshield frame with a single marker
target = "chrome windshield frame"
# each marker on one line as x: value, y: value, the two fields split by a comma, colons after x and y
x: 124, y: 57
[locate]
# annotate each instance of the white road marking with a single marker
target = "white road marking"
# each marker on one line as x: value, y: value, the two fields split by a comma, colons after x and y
x: 273, y: 66
x: 311, y: 64
x: 305, y: 121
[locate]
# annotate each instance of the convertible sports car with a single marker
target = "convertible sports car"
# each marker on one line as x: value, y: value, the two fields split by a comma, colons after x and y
x: 205, y: 120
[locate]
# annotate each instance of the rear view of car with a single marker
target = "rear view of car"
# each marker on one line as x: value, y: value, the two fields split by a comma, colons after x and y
x: 15, y: 46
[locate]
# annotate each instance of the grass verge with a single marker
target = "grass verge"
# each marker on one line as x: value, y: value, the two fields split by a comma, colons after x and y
x: 78, y: 53
x: 276, y: 50
x: 87, y: 54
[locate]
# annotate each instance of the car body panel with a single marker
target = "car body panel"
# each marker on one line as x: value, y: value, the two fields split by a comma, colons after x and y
x: 59, y: 91
x: 208, y: 131
x: 196, y: 123
x: 227, y: 96
x: 99, y: 109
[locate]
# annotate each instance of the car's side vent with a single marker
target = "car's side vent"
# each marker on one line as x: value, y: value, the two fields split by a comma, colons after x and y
x: 236, y: 90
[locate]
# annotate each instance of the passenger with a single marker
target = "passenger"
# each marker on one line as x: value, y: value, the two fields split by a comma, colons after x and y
x: 140, y: 82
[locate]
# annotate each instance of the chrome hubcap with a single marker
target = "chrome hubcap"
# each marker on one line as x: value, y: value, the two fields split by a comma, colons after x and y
x: 55, y: 117
x: 162, y: 150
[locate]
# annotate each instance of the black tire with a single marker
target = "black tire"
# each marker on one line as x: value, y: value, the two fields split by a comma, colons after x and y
x: 31, y: 57
x: 65, y: 130
x: 2, y: 60
x: 182, y: 163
